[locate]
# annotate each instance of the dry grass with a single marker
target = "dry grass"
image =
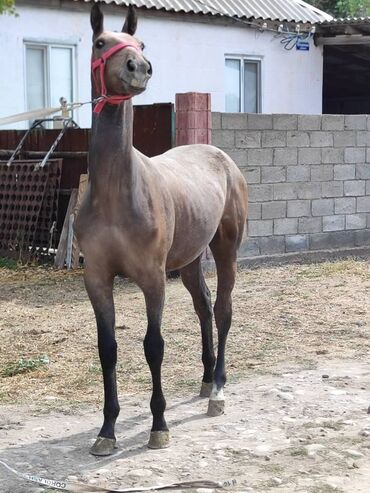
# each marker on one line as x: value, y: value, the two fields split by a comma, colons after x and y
x: 281, y: 314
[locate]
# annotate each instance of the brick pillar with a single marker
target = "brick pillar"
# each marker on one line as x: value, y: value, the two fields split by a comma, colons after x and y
x: 194, y: 124
x: 193, y: 118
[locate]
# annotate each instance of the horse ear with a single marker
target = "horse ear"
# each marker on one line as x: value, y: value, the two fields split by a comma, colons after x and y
x: 96, y: 19
x: 130, y: 24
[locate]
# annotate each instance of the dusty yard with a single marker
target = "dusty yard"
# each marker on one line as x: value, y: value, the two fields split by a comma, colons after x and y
x: 298, y: 392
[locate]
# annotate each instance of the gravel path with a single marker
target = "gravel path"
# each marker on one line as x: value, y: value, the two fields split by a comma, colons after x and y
x: 297, y: 399
x: 296, y: 430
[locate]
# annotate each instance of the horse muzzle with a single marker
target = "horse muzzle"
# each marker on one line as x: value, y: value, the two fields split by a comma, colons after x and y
x: 135, y: 81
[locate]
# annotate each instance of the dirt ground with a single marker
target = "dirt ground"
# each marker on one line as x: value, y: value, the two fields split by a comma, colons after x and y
x: 297, y: 397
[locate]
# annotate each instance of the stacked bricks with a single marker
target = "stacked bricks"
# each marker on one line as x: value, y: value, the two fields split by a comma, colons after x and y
x: 193, y: 118
x: 308, y: 175
x: 194, y: 124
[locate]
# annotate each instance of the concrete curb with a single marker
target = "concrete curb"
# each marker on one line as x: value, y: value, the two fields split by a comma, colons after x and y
x: 296, y: 258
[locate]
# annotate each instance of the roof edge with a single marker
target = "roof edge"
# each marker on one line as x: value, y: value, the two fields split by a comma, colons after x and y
x: 232, y: 9
x: 317, y: 11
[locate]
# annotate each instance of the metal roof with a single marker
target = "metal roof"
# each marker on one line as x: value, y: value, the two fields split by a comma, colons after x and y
x: 350, y: 21
x: 350, y: 26
x: 274, y: 10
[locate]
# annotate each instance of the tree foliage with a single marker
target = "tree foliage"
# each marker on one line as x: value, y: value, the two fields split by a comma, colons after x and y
x: 344, y: 8
x: 7, y: 6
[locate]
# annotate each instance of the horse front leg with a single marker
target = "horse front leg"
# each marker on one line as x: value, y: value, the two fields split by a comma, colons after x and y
x: 154, y: 350
x: 100, y: 291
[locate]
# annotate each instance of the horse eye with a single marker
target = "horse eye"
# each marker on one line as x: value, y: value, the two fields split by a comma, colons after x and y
x: 142, y: 46
x: 100, y: 43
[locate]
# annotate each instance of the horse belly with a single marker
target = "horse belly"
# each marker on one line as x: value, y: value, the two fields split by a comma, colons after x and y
x: 190, y: 240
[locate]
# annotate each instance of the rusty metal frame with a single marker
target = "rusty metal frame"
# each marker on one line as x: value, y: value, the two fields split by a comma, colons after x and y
x: 28, y: 206
x: 66, y: 122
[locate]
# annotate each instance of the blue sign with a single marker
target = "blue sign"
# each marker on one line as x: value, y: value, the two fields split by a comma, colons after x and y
x: 302, y: 45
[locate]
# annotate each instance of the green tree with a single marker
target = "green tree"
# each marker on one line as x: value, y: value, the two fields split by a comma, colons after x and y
x: 344, y: 8
x: 325, y: 5
x: 353, y: 8
x: 7, y: 6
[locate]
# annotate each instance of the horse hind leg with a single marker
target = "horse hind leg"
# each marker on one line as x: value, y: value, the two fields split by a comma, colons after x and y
x: 193, y: 279
x: 224, y: 248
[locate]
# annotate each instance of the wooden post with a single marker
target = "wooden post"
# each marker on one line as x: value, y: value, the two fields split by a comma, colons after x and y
x: 75, y: 251
x: 60, y: 256
x: 68, y: 249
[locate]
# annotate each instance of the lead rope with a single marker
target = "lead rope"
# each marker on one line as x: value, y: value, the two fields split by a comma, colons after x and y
x: 43, y: 112
x: 99, y: 102
x: 76, y: 487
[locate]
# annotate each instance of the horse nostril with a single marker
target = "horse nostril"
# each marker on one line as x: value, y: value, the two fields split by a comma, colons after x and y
x: 150, y: 69
x: 131, y: 65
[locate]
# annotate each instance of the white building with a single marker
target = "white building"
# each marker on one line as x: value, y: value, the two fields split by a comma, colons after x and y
x: 194, y: 45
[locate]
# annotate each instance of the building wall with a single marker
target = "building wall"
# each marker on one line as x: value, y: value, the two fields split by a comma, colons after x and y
x: 309, y: 179
x: 186, y: 56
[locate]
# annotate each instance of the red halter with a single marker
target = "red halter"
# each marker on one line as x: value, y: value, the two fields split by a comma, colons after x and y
x: 100, y: 64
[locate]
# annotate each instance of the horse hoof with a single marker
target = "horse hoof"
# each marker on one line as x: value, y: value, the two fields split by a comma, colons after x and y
x: 215, y: 408
x: 159, y: 439
x: 103, y: 446
x: 206, y: 389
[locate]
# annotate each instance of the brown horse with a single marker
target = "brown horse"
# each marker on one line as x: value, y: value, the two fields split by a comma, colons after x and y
x: 142, y: 217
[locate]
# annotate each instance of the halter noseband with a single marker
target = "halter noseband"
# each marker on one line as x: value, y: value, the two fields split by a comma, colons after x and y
x: 100, y: 64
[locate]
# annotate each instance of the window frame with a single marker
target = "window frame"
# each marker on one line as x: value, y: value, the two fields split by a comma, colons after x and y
x: 46, y: 46
x: 242, y: 60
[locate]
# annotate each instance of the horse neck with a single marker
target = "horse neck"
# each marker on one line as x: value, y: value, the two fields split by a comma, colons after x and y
x: 111, y: 166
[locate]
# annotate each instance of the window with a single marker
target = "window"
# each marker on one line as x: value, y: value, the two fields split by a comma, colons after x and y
x: 242, y: 85
x: 49, y: 74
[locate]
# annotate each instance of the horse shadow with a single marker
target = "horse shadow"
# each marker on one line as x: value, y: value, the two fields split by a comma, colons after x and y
x: 58, y: 458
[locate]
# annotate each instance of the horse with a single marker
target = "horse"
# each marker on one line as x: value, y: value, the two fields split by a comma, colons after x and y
x: 143, y: 217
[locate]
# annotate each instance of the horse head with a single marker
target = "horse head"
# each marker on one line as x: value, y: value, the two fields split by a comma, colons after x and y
x: 119, y: 66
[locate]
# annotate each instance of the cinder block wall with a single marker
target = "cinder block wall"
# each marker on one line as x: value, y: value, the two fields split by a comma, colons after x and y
x: 308, y: 175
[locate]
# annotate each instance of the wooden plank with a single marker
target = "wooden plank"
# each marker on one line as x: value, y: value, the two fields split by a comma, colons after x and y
x: 35, y: 154
x: 70, y: 241
x: 75, y: 252
x: 62, y: 247
x: 81, y: 190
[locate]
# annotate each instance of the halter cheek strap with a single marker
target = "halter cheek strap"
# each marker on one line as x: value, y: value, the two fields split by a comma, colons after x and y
x: 99, y: 65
